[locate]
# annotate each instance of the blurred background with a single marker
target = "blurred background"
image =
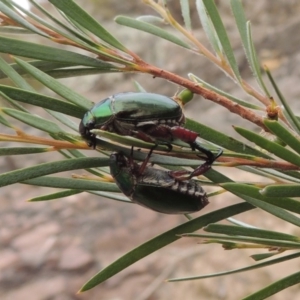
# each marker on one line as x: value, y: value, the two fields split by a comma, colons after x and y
x: 49, y: 250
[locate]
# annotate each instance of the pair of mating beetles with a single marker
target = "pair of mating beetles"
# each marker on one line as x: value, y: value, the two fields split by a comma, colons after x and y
x: 157, y: 119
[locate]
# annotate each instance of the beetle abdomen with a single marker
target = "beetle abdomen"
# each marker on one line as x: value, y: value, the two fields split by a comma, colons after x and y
x: 166, y: 200
x: 157, y: 190
x: 190, y: 187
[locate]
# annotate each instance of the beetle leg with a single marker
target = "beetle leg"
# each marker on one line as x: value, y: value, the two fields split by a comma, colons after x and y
x: 183, y: 134
x: 143, y: 165
x: 190, y: 137
x: 180, y: 175
x: 142, y: 136
x: 130, y: 159
x: 148, y: 138
x: 206, y: 166
x: 210, y: 157
x: 92, y: 142
x: 145, y: 162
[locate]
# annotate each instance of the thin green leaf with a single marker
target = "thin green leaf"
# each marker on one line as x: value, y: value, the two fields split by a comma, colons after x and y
x: 124, y: 140
x: 22, y: 150
x: 33, y: 120
x: 254, y: 232
x: 62, y: 118
x: 45, y: 66
x: 220, y: 178
x: 217, y: 177
x: 37, y: 51
x: 42, y: 101
x: 80, y: 39
x: 246, y: 37
x: 139, y: 87
x: 55, y: 196
x: 185, y: 11
x: 249, y: 268
x: 223, y: 37
x: 78, y: 28
x: 294, y: 121
x: 221, y: 139
x: 76, y: 153
x: 146, y: 27
x: 282, y: 190
x: 56, y: 86
x: 270, y: 173
x: 84, y: 40
x: 293, y: 176
x: 74, y: 184
x: 275, y: 287
x: 50, y: 168
x: 14, y: 76
x: 264, y: 204
x: 14, y: 30
x: 75, y: 12
x: 108, y: 146
x: 154, y: 20
x: 284, y: 134
x: 4, y: 122
x: 163, y: 240
x: 208, y: 28
x: 255, y: 66
x: 214, y: 238
x: 239, y: 223
x: 262, y: 256
x: 73, y: 139
x: 254, y: 192
x: 240, y: 19
x: 76, y: 72
x: 270, y: 146
x: 14, y: 104
x: 17, y: 18
x: 117, y: 197
x: 141, y: 156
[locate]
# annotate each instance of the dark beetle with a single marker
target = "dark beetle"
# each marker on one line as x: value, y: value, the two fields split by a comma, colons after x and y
x: 150, y: 117
x: 156, y: 189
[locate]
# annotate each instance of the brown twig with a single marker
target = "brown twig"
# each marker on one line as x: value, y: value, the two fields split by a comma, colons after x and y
x: 205, y: 93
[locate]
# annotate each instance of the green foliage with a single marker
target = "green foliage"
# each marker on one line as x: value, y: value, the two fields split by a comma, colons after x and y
x: 102, y: 53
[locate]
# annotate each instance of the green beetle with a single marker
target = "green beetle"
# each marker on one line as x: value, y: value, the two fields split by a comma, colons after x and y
x: 146, y: 116
x: 150, y: 117
x: 159, y: 190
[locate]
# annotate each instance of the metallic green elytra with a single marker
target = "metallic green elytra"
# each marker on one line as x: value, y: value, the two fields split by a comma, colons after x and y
x: 134, y: 114
x: 156, y: 189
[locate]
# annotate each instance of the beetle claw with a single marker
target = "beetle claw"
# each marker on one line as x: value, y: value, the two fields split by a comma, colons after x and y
x: 210, y: 157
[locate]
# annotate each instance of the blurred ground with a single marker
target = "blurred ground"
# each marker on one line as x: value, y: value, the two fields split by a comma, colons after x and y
x: 48, y: 250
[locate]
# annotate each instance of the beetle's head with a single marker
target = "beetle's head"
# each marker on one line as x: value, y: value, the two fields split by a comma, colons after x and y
x: 119, y: 159
x: 86, y: 124
x: 118, y: 162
